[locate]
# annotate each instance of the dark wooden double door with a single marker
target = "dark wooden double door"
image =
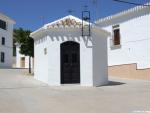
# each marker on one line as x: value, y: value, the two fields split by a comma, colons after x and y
x: 70, y: 62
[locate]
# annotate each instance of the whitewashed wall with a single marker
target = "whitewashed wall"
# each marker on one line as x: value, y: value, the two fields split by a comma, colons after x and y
x: 135, y: 40
x: 47, y: 67
x: 8, y: 47
x: 18, y: 59
x: 100, y: 60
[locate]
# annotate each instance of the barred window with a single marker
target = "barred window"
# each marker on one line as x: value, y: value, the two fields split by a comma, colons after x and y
x: 3, y: 40
x: 2, y: 57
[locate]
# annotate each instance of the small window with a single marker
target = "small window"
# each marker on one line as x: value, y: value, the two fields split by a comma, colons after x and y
x: 2, y: 24
x: 2, y: 57
x: 3, y: 40
x: 116, y: 35
x: 22, y: 59
x: 45, y: 51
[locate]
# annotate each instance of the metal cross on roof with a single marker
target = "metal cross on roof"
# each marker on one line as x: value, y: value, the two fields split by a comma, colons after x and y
x: 70, y: 11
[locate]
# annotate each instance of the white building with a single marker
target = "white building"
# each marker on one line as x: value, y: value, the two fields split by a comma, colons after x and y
x: 64, y: 56
x: 129, y: 45
x: 22, y: 61
x: 6, y: 41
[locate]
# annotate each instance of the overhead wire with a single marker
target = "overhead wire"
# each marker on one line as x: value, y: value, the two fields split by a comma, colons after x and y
x: 132, y: 3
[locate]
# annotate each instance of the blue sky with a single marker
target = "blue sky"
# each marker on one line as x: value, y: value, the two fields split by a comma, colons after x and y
x: 29, y: 14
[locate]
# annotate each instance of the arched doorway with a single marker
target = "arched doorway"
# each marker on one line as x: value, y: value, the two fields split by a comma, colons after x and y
x: 70, y: 62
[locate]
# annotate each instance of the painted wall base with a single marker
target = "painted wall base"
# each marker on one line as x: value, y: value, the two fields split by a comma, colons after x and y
x: 129, y: 71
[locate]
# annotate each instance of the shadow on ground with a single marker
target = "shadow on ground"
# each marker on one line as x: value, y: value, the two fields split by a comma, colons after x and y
x: 113, y: 83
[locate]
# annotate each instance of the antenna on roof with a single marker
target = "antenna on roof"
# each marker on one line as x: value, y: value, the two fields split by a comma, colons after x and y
x: 42, y: 20
x: 132, y: 3
x: 95, y: 2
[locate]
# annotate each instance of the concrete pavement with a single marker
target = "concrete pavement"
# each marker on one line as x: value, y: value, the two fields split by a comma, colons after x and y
x: 20, y: 93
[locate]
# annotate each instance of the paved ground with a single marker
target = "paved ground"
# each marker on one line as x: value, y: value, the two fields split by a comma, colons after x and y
x: 20, y: 93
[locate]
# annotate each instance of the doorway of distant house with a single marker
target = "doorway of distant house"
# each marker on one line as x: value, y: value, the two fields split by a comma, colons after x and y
x: 22, y: 62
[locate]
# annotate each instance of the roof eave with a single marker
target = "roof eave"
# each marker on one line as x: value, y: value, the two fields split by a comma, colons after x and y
x: 123, y: 13
x: 2, y: 16
x: 105, y: 32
